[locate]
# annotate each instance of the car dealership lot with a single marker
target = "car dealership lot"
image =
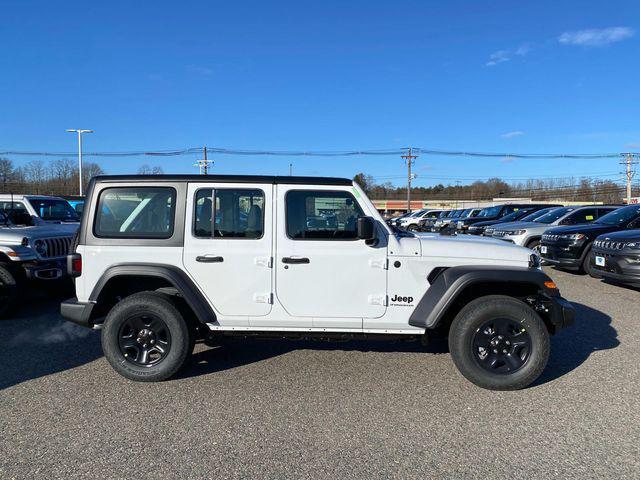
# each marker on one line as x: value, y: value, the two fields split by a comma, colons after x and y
x: 272, y: 408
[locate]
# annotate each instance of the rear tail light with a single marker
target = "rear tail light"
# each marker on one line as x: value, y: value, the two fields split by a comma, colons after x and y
x: 74, y: 264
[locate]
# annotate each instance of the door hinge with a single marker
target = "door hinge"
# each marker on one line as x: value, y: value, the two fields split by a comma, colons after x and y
x: 263, y: 298
x: 379, y: 263
x: 264, y: 262
x: 379, y: 300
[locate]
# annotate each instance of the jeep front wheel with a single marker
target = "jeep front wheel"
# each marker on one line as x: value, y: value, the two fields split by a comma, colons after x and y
x: 145, y: 338
x: 499, y: 343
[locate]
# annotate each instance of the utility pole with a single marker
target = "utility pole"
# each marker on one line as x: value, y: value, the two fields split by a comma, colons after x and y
x: 203, y: 163
x: 629, y: 174
x: 409, y: 158
x: 79, y: 132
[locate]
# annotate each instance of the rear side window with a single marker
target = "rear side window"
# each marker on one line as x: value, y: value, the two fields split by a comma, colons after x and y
x: 135, y: 212
x: 321, y: 215
x: 229, y: 213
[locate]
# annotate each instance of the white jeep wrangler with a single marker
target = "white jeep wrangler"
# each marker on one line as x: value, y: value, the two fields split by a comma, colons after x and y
x: 162, y: 261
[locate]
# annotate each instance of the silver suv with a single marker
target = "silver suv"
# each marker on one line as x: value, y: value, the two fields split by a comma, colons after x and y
x: 529, y: 234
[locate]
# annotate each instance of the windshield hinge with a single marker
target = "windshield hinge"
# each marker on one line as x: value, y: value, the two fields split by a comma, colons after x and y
x: 379, y: 263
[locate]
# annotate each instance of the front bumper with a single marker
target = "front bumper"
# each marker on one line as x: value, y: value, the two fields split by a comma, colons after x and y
x: 77, y: 312
x: 46, y: 270
x: 561, y: 314
x: 562, y: 255
x: 620, y: 267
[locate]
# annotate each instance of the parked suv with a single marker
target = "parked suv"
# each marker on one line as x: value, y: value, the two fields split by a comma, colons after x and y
x: 191, y: 257
x: 40, y: 210
x: 488, y: 213
x: 29, y: 253
x: 569, y: 247
x: 530, y: 234
x: 518, y: 214
x: 488, y: 231
x: 426, y: 224
x: 616, y: 257
x: 411, y: 222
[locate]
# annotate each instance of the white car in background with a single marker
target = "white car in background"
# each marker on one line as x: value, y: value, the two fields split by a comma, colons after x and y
x: 411, y: 222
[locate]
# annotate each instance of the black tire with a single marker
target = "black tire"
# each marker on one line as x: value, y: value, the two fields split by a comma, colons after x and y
x: 586, y: 266
x: 10, y: 289
x: 412, y: 228
x: 466, y: 334
x: 123, y: 343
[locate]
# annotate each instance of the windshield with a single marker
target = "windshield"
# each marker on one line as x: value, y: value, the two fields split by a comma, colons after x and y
x: 52, y: 209
x: 489, y: 211
x: 554, y: 215
x: 516, y: 214
x: 537, y: 214
x: 620, y: 216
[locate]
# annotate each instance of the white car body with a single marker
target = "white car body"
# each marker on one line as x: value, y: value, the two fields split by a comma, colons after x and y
x: 372, y: 288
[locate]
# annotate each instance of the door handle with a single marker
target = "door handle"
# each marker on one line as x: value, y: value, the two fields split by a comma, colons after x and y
x: 295, y: 260
x: 209, y: 259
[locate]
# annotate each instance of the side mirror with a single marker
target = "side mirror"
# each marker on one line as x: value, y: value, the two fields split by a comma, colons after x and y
x: 366, y: 228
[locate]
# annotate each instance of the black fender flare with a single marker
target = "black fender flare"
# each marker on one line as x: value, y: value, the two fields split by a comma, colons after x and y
x: 447, y: 286
x: 170, y: 273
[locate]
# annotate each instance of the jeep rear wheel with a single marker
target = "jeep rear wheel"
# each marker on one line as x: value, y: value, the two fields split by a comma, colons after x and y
x: 499, y: 343
x: 145, y: 338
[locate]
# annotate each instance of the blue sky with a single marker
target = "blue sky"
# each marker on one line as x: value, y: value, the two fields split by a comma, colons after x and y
x: 550, y: 76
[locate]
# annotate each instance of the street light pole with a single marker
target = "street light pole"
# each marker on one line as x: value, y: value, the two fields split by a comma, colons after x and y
x: 79, y: 132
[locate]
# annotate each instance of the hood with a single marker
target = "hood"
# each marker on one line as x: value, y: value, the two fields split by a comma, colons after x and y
x: 16, y: 234
x: 475, y: 249
x: 593, y: 229
x: 520, y: 225
x: 622, y: 236
x: 474, y: 220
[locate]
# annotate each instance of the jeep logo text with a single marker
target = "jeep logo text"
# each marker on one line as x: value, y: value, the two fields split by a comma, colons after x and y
x: 398, y: 298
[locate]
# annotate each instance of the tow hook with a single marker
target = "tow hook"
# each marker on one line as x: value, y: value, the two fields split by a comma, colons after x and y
x: 538, y: 304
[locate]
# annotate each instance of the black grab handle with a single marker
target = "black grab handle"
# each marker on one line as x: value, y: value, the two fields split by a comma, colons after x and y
x: 205, y: 259
x: 295, y: 260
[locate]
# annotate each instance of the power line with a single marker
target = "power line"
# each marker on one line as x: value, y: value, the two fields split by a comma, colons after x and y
x: 328, y: 153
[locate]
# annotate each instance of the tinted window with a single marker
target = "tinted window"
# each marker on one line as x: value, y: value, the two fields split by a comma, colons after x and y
x: 432, y: 215
x: 135, y: 212
x: 320, y: 215
x: 229, y: 213
x: 16, y: 213
x: 621, y: 216
x: 58, y: 210
x: 532, y: 216
x: 490, y: 211
x: 554, y: 215
x: 585, y: 215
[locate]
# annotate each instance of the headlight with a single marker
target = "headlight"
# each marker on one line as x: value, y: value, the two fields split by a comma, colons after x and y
x: 515, y: 232
x: 40, y: 247
x: 573, y: 236
x: 534, y: 261
x: 633, y: 245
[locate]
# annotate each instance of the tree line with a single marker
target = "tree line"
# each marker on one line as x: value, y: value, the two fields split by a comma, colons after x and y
x: 57, y: 177
x: 564, y: 189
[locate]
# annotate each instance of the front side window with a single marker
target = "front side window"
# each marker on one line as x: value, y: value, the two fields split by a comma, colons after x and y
x: 322, y: 215
x: 16, y: 213
x: 585, y: 215
x: 135, y: 212
x: 229, y: 213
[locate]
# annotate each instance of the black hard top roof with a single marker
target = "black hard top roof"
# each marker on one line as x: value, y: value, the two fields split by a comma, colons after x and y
x: 291, y: 180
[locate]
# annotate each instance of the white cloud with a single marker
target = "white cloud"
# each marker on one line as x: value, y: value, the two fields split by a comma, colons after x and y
x: 515, y: 133
x: 501, y: 56
x: 596, y: 37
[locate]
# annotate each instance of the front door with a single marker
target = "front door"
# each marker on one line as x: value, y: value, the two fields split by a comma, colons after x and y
x: 228, y: 247
x: 322, y: 269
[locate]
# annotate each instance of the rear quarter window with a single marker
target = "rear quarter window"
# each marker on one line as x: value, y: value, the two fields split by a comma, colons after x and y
x: 135, y: 212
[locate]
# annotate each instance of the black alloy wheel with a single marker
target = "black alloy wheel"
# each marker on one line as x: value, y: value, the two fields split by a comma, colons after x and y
x: 501, y: 346
x: 144, y: 340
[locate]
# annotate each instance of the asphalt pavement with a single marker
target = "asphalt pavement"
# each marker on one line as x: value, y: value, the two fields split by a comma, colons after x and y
x: 285, y: 409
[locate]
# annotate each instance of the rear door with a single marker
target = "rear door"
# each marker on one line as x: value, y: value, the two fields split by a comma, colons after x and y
x: 228, y: 246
